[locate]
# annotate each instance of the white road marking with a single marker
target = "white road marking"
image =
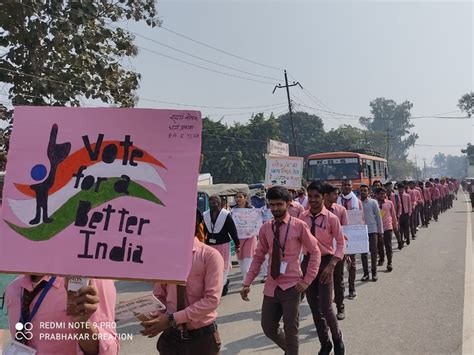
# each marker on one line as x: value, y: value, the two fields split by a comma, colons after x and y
x: 468, y: 315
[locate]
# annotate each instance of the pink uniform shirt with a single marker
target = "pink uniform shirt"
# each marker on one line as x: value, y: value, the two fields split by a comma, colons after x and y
x: 427, y: 194
x: 53, y: 309
x: 435, y: 193
x: 299, y: 236
x: 413, y: 198
x: 406, y: 202
x: 419, y: 195
x: 295, y: 209
x: 398, y: 206
x: 340, y: 213
x: 203, y: 289
x: 328, y: 229
x: 389, y: 217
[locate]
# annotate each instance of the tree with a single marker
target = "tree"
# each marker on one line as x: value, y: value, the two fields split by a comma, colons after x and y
x: 470, y: 153
x: 439, y: 161
x: 236, y: 154
x: 466, y: 103
x: 58, y: 51
x: 309, y: 132
x: 392, y: 123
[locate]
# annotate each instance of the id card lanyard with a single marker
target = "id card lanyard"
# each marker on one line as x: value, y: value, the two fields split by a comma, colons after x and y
x: 286, y: 236
x: 39, y: 301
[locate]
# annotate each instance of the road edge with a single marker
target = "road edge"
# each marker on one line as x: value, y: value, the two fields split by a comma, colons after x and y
x: 468, y: 314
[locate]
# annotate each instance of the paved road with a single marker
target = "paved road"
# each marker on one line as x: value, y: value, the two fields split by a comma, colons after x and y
x: 416, y: 309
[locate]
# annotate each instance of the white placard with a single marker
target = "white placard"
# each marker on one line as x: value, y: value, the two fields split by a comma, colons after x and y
x: 357, y: 239
x: 354, y: 217
x: 278, y: 148
x: 284, y: 171
x: 247, y: 221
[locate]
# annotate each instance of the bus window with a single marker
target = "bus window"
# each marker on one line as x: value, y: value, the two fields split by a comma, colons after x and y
x: 374, y: 168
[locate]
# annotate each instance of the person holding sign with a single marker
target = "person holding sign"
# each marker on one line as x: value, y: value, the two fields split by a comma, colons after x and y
x: 375, y: 229
x: 283, y: 238
x: 330, y: 196
x: 349, y: 201
x: 219, y: 228
x: 189, y: 324
x: 248, y: 241
x: 35, y: 300
x: 325, y: 227
x: 390, y: 222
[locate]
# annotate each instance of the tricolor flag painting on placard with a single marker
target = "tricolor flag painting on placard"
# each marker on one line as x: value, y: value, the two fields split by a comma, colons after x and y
x: 101, y: 192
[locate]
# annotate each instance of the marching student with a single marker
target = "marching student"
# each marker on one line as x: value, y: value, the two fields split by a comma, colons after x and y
x: 330, y: 195
x: 349, y: 201
x: 325, y: 227
x: 375, y: 229
x: 40, y: 299
x: 219, y: 228
x: 189, y: 324
x: 404, y: 222
x: 295, y: 209
x: 435, y: 199
x: 393, y: 195
x: 425, y: 187
x: 409, y: 189
x: 420, y: 204
x: 248, y: 243
x: 283, y: 239
x: 390, y: 222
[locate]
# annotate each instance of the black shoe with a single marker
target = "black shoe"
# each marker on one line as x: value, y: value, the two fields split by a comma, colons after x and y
x: 340, y: 314
x: 365, y: 278
x: 400, y: 246
x: 413, y: 237
x: 325, y: 349
x: 225, y: 290
x: 389, y: 268
x: 374, y: 277
x: 352, y: 295
x: 408, y: 241
x: 339, y: 348
x: 381, y: 262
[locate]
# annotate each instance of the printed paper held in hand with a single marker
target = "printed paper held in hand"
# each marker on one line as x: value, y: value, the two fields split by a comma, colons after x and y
x: 357, y: 239
x: 138, y: 309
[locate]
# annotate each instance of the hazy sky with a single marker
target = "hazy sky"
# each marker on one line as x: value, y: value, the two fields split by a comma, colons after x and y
x: 344, y: 53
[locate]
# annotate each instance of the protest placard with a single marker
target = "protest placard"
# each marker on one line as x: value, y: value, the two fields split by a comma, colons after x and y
x: 101, y: 192
x: 137, y: 309
x: 357, y: 239
x: 247, y: 221
x: 354, y: 217
x: 284, y: 171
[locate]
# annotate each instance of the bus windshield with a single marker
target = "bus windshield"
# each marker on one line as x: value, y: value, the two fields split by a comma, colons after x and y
x: 334, y: 169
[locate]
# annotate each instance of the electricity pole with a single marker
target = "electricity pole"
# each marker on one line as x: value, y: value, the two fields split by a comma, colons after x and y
x: 289, y: 107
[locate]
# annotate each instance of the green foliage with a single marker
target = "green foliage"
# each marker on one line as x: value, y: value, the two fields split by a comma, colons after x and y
x: 72, y: 42
x: 470, y: 153
x: 451, y: 165
x: 466, y: 103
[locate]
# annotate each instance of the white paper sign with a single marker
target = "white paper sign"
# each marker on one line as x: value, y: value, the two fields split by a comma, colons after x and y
x: 354, y: 217
x: 15, y: 348
x: 247, y: 221
x: 357, y: 239
x: 278, y: 148
x: 137, y: 309
x: 284, y: 171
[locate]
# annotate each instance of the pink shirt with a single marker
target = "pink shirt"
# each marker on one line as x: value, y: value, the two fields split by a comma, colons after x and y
x: 407, y: 206
x: 427, y: 194
x: 435, y: 193
x: 340, y: 213
x: 398, y: 206
x: 328, y: 229
x: 389, y: 217
x: 419, y: 195
x: 413, y: 198
x: 295, y: 209
x: 299, y: 236
x: 53, y: 309
x: 203, y: 289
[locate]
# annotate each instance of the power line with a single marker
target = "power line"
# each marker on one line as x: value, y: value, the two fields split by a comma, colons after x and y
x: 194, y: 56
x: 220, y: 50
x: 204, y: 68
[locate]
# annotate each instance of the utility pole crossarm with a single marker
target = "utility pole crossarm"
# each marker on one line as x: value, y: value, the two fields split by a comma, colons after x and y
x: 288, y: 86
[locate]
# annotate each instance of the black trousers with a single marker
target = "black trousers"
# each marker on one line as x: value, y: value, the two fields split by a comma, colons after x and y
x: 413, y: 223
x: 405, y: 226
x: 339, y: 289
x: 385, y: 246
x: 435, y: 209
x: 373, y: 238
x: 171, y: 343
x: 427, y: 212
x: 421, y: 213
